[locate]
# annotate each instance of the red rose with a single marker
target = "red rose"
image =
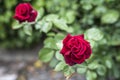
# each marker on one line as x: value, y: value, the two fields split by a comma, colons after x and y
x: 75, y: 49
x: 25, y: 12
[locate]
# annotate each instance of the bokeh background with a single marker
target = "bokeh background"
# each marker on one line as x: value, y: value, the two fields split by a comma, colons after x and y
x: 96, y: 18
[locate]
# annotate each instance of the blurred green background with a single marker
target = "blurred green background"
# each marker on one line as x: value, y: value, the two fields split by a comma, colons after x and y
x: 98, y: 19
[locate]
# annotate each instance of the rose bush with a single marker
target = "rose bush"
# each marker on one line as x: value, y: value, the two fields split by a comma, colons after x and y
x: 95, y: 18
x: 73, y: 53
x: 75, y: 49
x: 25, y: 12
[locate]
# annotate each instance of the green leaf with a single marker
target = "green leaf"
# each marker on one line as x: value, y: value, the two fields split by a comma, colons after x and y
x: 87, y: 6
x: 38, y: 25
x: 70, y: 30
x: 91, y: 75
x: 27, y: 29
x: 70, y: 16
x: 53, y: 62
x: 9, y: 4
x: 108, y: 63
x: 51, y: 34
x: 46, y: 27
x: 50, y: 43
x: 68, y: 71
x: 59, y: 56
x: 59, y: 44
x: 60, y: 24
x: 118, y: 58
x: 83, y: 65
x: 40, y: 13
x: 16, y: 25
x: 114, y: 42
x: 51, y: 17
x: 101, y: 70
x: 116, y: 72
x: 93, y: 65
x: 97, y: 2
x: 100, y: 10
x: 46, y: 54
x: 2, y: 33
x: 94, y: 34
x: 81, y: 70
x: 60, y: 66
x: 59, y: 36
x: 110, y: 17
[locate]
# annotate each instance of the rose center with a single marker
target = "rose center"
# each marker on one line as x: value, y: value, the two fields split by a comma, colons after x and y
x: 73, y: 42
x: 23, y: 11
x: 75, y: 49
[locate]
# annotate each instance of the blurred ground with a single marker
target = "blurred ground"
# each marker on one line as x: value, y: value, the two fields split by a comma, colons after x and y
x: 24, y: 65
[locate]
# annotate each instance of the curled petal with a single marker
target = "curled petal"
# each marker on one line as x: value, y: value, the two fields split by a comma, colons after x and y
x: 67, y: 38
x: 88, y: 53
x: 64, y: 50
x: 80, y: 36
x: 29, y: 6
x: 21, y: 18
x: 33, y: 16
x: 79, y: 60
x: 82, y: 49
x: 68, y: 60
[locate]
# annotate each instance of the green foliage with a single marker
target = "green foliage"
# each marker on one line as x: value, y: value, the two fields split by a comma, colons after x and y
x: 46, y: 55
x: 60, y: 24
x: 50, y: 43
x: 16, y: 25
x: 81, y: 70
x: 27, y: 29
x: 68, y: 71
x: 94, y: 34
x: 90, y: 75
x: 58, y: 56
x: 93, y: 65
x: 110, y: 16
x: 101, y: 70
x: 60, y: 66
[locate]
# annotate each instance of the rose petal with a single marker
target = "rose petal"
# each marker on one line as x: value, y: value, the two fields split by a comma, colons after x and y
x: 67, y: 39
x: 75, y: 49
x: 88, y: 53
x: 68, y: 60
x: 82, y: 49
x: 29, y: 6
x: 22, y: 6
x: 76, y: 60
x: 79, y: 36
x: 21, y: 18
x: 82, y: 36
x: 64, y: 50
x: 33, y: 16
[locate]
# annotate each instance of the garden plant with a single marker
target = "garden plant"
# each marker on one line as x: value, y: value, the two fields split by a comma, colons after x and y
x: 78, y: 36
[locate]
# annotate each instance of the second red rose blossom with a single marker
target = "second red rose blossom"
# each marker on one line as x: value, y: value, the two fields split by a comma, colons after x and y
x: 25, y: 12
